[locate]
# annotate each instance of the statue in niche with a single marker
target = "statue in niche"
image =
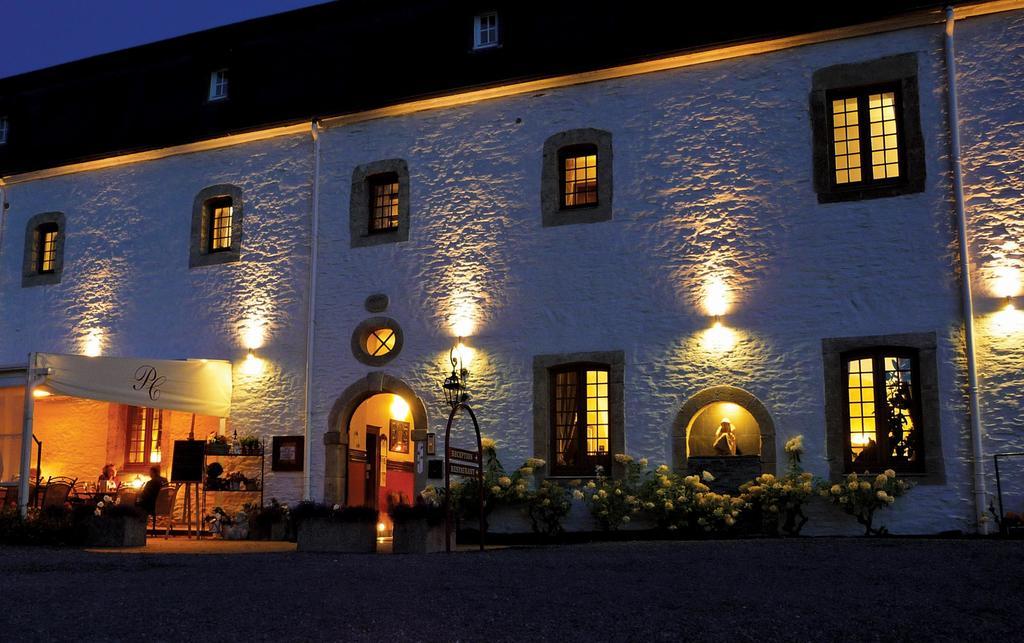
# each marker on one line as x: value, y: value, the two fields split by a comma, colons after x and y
x: 725, y: 439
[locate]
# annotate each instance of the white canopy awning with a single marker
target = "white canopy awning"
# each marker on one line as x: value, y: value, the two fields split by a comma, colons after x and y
x: 195, y: 386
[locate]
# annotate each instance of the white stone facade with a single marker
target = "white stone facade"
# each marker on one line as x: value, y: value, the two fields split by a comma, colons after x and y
x: 713, y: 179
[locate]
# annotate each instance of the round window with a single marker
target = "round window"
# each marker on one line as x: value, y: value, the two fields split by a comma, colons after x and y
x: 377, y: 341
x: 380, y: 342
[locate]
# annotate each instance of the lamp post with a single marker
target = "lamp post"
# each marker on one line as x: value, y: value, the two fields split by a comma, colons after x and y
x: 471, y: 461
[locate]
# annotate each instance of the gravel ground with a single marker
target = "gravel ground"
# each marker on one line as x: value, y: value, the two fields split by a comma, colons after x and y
x: 746, y: 590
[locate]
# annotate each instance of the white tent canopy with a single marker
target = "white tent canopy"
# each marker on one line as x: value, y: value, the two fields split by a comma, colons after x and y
x: 198, y: 386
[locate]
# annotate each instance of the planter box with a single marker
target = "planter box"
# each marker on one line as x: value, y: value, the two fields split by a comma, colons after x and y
x: 319, y: 534
x: 116, y: 532
x: 417, y: 537
x: 276, y: 531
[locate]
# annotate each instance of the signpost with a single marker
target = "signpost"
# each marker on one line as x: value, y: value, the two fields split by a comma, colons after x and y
x: 474, y: 470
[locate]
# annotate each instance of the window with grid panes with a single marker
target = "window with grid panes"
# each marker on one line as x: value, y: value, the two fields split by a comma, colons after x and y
x: 218, y: 84
x: 485, y: 31
x: 883, y: 411
x: 865, y: 137
x: 4, y: 126
x: 46, y: 249
x: 579, y: 176
x: 383, y: 202
x: 219, y: 217
x: 143, y: 440
x: 580, y: 436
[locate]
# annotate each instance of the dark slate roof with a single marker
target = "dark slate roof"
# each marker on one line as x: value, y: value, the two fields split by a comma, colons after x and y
x: 350, y: 56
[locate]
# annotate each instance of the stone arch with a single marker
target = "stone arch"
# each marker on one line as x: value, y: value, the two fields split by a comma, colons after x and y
x: 723, y: 394
x: 336, y: 437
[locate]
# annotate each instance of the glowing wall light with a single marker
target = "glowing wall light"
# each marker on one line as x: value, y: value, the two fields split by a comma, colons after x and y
x: 716, y: 297
x: 253, y: 333
x: 718, y: 338
x: 92, y: 346
x: 1007, y: 283
x: 399, y: 408
x: 252, y: 365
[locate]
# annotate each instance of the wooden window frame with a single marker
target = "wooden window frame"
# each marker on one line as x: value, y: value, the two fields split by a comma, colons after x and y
x: 372, y: 183
x: 588, y: 463
x: 147, y: 419
x: 201, y: 252
x: 40, y: 257
x: 867, y: 181
x: 897, y: 73
x: 32, y: 263
x: 877, y: 354
x: 210, y: 223
x: 576, y: 151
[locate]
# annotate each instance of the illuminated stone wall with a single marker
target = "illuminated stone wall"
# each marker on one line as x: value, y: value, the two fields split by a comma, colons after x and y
x: 127, y: 280
x: 713, y: 182
x: 991, y: 85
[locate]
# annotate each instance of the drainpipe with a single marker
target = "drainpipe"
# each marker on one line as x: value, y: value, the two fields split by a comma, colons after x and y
x: 965, y: 277
x: 3, y: 214
x: 314, y: 244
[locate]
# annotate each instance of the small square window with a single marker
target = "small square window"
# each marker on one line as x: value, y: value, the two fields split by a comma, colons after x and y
x: 219, y: 84
x: 579, y: 176
x: 485, y: 30
x: 3, y: 130
x: 384, y: 202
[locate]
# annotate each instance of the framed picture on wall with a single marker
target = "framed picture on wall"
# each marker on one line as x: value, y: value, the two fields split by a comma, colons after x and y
x: 399, y: 438
x: 287, y: 453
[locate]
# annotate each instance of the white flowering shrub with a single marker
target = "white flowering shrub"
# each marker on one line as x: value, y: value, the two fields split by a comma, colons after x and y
x: 861, y: 497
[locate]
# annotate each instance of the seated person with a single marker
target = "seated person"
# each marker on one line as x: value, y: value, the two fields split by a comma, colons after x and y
x: 725, y: 439
x: 108, y: 479
x: 147, y: 497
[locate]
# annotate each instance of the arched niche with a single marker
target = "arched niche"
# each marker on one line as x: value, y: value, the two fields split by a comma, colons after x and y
x: 700, y: 416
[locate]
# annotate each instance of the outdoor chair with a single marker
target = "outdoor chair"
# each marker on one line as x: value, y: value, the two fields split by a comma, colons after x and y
x: 165, y: 507
x: 56, y: 491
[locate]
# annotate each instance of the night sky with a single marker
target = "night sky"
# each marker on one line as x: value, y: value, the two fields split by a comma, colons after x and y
x: 41, y: 33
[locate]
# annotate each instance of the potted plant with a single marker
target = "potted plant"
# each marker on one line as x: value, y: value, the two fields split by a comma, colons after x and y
x: 110, y: 524
x: 334, y: 528
x: 229, y: 527
x: 217, y: 444
x: 419, y: 528
x: 250, y: 445
x: 268, y: 523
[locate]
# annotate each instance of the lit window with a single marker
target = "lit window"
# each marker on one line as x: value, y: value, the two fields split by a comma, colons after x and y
x: 219, y: 84
x: 580, y: 420
x: 219, y: 216
x: 144, y: 433
x: 383, y: 202
x: 4, y: 126
x: 380, y: 342
x: 485, y: 30
x: 883, y: 411
x: 579, y: 176
x: 865, y: 141
x: 46, y: 251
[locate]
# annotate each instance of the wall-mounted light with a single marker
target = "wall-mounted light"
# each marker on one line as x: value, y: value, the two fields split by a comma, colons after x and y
x: 455, y: 390
x: 716, y: 298
x: 399, y: 408
x: 1007, y: 284
x: 40, y: 393
x: 92, y: 346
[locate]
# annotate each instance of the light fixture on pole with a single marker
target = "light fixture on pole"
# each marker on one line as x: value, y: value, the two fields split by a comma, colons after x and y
x: 455, y: 390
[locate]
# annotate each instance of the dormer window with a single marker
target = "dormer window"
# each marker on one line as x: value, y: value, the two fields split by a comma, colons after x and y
x: 485, y: 30
x: 219, y: 84
x: 3, y: 130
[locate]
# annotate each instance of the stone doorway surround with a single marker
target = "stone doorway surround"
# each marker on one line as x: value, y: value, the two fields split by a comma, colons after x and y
x: 336, y: 437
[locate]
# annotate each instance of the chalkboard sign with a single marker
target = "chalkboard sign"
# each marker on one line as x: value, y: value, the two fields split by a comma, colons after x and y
x: 188, y: 461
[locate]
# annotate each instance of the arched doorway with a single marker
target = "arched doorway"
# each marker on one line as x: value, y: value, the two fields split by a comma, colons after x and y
x: 347, y: 411
x: 695, y: 430
x: 380, y: 456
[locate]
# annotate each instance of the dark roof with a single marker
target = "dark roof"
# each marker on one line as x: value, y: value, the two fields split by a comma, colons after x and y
x: 346, y: 57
